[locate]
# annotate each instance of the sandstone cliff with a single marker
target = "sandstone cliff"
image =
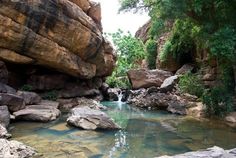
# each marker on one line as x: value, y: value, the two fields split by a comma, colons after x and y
x: 63, y: 35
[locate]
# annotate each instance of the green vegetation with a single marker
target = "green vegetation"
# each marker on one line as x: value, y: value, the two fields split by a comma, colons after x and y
x: 194, y: 26
x: 26, y: 87
x: 191, y: 83
x: 51, y: 95
x: 130, y: 55
x: 151, y: 48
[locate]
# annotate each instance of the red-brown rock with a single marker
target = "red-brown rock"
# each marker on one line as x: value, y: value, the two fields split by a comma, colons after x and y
x: 143, y: 78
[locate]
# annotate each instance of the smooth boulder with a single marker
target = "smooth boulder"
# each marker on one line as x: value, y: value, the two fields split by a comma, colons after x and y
x: 89, y: 119
x: 14, y: 102
x: 29, y: 97
x: 6, y: 89
x: 143, y: 78
x: 38, y: 113
x: 15, y: 149
x: 169, y: 83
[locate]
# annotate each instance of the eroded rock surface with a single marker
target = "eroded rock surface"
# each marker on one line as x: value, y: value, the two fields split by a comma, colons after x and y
x: 4, y: 116
x: 39, y: 113
x: 14, y: 102
x: 63, y: 35
x: 89, y: 119
x: 143, y: 78
x: 29, y: 97
x: 15, y: 149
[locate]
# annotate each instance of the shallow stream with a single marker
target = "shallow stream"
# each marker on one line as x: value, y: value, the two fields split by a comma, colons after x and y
x: 145, y: 134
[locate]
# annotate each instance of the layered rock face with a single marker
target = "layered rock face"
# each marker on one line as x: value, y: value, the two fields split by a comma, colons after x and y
x: 63, y: 35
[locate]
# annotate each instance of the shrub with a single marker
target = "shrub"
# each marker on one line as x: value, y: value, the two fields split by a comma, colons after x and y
x: 51, y: 95
x: 151, y: 48
x: 121, y: 82
x: 218, y: 101
x: 26, y: 87
x: 190, y: 83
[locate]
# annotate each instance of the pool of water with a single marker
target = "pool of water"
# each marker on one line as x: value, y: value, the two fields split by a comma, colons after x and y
x: 144, y: 134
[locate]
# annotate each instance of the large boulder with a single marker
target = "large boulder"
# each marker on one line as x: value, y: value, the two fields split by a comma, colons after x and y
x: 29, y: 97
x: 38, y: 113
x: 6, y: 89
x: 169, y: 83
x: 4, y: 116
x: 231, y: 117
x: 214, y: 152
x: 57, y: 34
x: 68, y: 104
x: 4, y: 133
x: 15, y: 149
x: 143, y: 78
x: 113, y: 94
x: 14, y: 102
x: 186, y: 68
x: 89, y: 119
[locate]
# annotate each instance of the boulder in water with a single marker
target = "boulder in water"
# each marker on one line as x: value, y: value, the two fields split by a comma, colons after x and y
x: 90, y: 119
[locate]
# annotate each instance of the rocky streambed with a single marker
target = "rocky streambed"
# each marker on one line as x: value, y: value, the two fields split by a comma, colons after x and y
x: 143, y: 133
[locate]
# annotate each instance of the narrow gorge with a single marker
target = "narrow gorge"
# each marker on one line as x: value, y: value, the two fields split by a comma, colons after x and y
x: 69, y: 89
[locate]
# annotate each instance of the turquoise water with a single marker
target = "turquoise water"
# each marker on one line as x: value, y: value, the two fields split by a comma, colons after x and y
x: 144, y: 134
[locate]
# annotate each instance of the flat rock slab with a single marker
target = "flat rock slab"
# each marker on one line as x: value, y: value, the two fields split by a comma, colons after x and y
x: 214, y: 152
x: 15, y: 149
x: 90, y: 119
x: 14, y: 102
x: 38, y: 113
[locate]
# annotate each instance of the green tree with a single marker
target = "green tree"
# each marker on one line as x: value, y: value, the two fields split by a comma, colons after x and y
x: 197, y: 24
x: 130, y: 51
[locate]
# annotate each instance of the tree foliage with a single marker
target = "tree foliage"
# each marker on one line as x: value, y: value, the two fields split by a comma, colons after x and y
x: 130, y: 53
x: 197, y: 25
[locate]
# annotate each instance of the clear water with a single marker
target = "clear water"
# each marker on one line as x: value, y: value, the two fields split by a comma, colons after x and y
x: 145, y: 134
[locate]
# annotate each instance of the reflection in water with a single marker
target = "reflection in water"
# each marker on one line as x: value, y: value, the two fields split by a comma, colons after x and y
x: 144, y: 134
x: 120, y: 143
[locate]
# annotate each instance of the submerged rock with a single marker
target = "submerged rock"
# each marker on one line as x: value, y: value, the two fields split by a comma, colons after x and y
x: 143, y: 78
x: 39, y: 113
x: 214, y: 152
x: 90, y: 119
x: 15, y: 149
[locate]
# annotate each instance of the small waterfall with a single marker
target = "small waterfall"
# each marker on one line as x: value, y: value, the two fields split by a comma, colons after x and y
x: 120, y: 95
